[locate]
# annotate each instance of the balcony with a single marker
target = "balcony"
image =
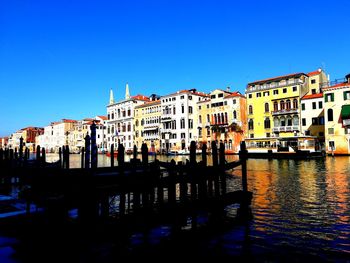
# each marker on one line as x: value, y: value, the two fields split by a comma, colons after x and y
x: 285, y: 129
x: 285, y: 111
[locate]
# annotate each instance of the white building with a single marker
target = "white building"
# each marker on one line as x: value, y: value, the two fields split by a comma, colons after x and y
x: 120, y: 128
x: 179, y: 112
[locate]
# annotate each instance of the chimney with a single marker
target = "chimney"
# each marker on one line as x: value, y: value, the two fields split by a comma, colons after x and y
x: 228, y: 89
x: 111, y: 97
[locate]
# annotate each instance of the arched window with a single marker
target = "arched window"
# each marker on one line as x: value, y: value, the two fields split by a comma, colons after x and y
x: 250, y: 111
x: 288, y: 104
x: 267, y: 108
x: 222, y: 118
x: 137, y: 123
x: 289, y: 121
x: 296, y: 120
x: 219, y: 119
x: 234, y: 114
x: 282, y: 104
x: 215, y: 119
x: 330, y: 114
x: 251, y: 124
x: 226, y: 117
x: 275, y: 106
x: 276, y: 122
x: 283, y: 121
x: 295, y: 104
x: 267, y: 123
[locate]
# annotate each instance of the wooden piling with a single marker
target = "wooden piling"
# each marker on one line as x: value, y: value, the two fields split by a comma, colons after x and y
x: 93, y: 146
x: 120, y: 156
x: 43, y: 155
x: 193, y: 153
x: 112, y: 154
x: 134, y: 153
x: 214, y: 153
x: 21, y: 148
x: 60, y: 157
x: 222, y: 154
x: 243, y: 158
x: 67, y: 156
x: 144, y: 152
x: 87, y: 151
x: 82, y: 151
x: 37, y: 154
x: 204, y: 154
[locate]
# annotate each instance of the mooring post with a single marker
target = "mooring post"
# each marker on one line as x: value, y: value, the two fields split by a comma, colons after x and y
x: 60, y: 157
x: 1, y: 157
x: 67, y: 157
x: 112, y: 154
x: 120, y: 156
x: 134, y: 152
x: 144, y: 152
x: 243, y: 158
x: 37, y: 153
x: 82, y: 151
x: 16, y: 154
x: 214, y: 153
x: 87, y: 151
x: 93, y: 146
x: 43, y: 155
x: 222, y: 154
x: 172, y: 182
x: 193, y: 153
x: 204, y: 154
x: 21, y: 148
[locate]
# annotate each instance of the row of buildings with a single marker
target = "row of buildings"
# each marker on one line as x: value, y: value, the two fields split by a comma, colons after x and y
x: 304, y: 111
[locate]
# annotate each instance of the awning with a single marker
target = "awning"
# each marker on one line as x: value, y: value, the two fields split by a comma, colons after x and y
x: 345, y: 112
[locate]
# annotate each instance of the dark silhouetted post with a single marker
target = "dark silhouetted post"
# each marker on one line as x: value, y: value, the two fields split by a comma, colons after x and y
x: 204, y: 155
x: 243, y: 158
x: 172, y: 182
x: 93, y: 146
x: 16, y: 154
x: 120, y: 156
x: 214, y: 152
x: 135, y: 152
x: 43, y: 155
x: 87, y: 151
x: 27, y: 153
x: 37, y: 153
x: 112, y: 154
x: 222, y: 154
x: 144, y: 152
x: 21, y: 148
x: 82, y: 157
x: 67, y: 156
x: 193, y: 153
x: 60, y: 156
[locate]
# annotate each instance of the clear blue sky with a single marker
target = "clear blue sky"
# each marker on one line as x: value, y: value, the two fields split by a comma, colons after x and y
x: 59, y: 59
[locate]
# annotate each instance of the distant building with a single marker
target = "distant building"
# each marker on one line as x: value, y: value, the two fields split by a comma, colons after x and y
x: 120, y: 115
x: 337, y: 116
x: 4, y: 142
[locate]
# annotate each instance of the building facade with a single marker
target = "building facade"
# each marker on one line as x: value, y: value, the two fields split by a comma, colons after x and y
x: 337, y: 117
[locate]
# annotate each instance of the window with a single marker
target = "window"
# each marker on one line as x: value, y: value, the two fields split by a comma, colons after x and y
x: 220, y: 95
x: 330, y: 130
x: 321, y: 120
x: 267, y: 108
x: 303, y: 106
x: 295, y: 88
x: 251, y: 136
x: 250, y: 96
x: 190, y: 123
x: 258, y: 95
x: 182, y: 123
x: 331, y: 145
x: 329, y: 97
x: 295, y: 104
x: 346, y: 95
x: 182, y: 97
x: 208, y: 118
x: 183, y: 135
x: 289, y: 121
x: 190, y: 97
x: 234, y: 101
x: 313, y: 81
x: 182, y: 108
x: 208, y: 132
x: 303, y: 121
x: 200, y: 118
x: 330, y: 115
x: 275, y: 106
x: 314, y: 105
x: 288, y: 104
x: 199, y: 107
x: 250, y: 111
x: 251, y: 124
x: 285, y: 90
x: 267, y: 123
x: 266, y: 93
x: 225, y: 103
x: 320, y: 105
x: 213, y: 96
x: 234, y: 114
x: 174, y: 125
x: 282, y: 104
x: 268, y: 135
x: 275, y: 92
x: 190, y: 109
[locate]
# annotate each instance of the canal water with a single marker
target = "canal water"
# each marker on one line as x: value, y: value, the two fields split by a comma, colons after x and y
x: 300, y: 212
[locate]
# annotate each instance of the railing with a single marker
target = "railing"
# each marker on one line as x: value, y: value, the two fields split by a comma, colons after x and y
x: 285, y: 111
x: 332, y: 83
x: 285, y: 129
x: 273, y: 86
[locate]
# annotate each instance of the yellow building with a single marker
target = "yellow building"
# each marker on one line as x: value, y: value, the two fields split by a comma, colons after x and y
x: 147, y: 123
x: 222, y: 118
x: 273, y: 112
x: 337, y: 117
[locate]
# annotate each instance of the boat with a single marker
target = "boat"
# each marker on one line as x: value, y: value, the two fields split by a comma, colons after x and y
x: 183, y: 152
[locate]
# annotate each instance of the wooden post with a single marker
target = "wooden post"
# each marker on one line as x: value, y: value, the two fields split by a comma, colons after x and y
x: 243, y: 158
x: 27, y: 151
x: 93, y: 146
x: 183, y: 183
x: 120, y: 156
x: 172, y: 183
x: 193, y: 153
x: 11, y: 155
x: 82, y: 157
x: 87, y: 151
x: 16, y: 154
x: 214, y: 152
x: 21, y: 148
x: 38, y: 153
x: 43, y: 155
x: 60, y: 157
x: 204, y: 154
x: 135, y: 152
x: 222, y: 154
x: 67, y: 157
x: 1, y: 157
x: 112, y: 154
x: 144, y: 152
